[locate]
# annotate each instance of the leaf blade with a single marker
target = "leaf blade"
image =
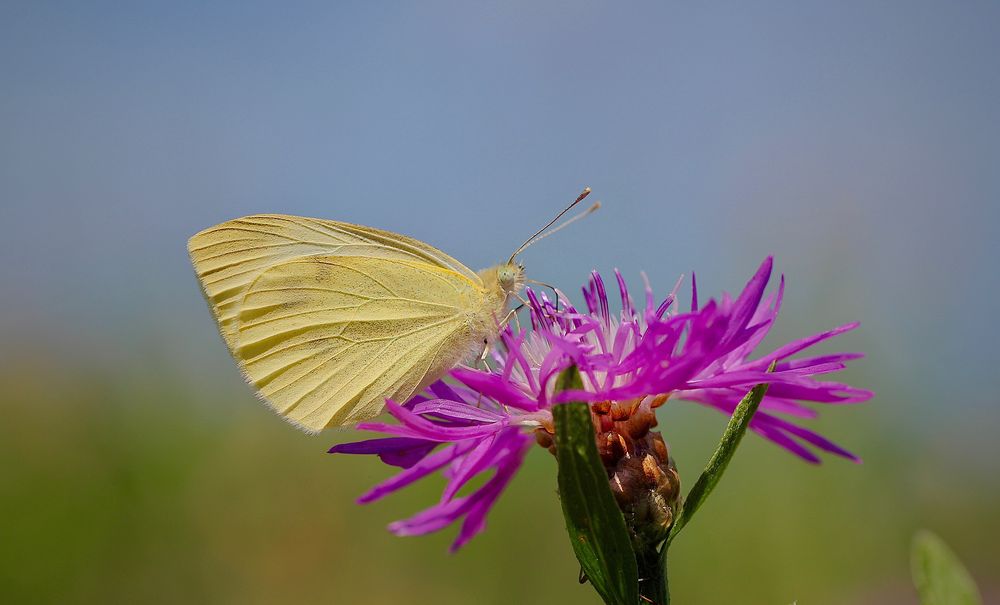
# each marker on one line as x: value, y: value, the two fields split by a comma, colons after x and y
x: 594, y: 522
x: 709, y: 478
x: 938, y: 574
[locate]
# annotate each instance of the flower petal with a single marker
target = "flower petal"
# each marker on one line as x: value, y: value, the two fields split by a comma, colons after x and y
x: 421, y: 469
x: 397, y: 451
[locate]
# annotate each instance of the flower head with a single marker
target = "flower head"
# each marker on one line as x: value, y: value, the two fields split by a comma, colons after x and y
x: 631, y: 363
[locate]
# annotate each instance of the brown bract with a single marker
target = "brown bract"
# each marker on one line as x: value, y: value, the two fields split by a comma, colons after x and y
x: 641, y: 473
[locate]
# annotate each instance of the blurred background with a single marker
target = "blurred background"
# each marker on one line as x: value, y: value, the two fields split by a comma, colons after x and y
x: 857, y: 142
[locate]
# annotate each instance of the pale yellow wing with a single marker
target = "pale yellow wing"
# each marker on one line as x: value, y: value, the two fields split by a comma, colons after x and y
x: 326, y: 339
x: 230, y: 256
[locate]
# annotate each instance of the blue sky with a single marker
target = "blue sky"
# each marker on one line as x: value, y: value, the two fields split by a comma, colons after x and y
x: 858, y: 142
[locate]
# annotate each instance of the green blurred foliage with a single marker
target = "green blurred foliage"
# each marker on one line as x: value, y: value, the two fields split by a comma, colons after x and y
x: 135, y: 485
x: 938, y: 573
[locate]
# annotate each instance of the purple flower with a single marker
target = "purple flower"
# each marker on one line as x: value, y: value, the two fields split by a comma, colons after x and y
x: 457, y: 431
x: 631, y: 362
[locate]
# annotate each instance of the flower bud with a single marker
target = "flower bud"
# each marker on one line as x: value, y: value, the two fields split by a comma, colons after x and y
x: 642, y: 476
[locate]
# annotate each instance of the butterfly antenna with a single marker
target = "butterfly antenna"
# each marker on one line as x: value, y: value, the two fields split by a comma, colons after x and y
x: 593, y: 208
x: 540, y: 233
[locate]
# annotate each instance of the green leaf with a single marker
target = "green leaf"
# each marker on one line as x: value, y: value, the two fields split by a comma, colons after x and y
x: 731, y: 438
x: 595, y: 523
x: 939, y: 576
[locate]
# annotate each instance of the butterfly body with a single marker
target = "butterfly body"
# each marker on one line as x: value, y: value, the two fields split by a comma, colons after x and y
x: 329, y: 319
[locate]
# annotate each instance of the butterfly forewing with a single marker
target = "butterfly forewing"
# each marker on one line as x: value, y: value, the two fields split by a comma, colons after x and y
x: 230, y: 256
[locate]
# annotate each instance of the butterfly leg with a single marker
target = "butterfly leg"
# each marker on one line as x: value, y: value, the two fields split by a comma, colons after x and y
x: 484, y: 355
x: 555, y: 293
x: 513, y: 314
x: 481, y: 363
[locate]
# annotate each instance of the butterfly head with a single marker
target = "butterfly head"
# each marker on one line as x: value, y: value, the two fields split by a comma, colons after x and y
x: 510, y: 276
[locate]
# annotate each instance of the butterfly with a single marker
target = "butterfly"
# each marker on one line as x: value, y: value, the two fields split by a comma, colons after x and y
x: 328, y: 319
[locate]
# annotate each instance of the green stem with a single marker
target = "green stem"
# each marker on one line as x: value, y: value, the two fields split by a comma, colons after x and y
x: 653, y: 586
x: 666, y: 583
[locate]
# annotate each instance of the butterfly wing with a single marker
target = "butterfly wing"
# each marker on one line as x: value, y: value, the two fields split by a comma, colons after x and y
x: 326, y: 339
x: 230, y: 256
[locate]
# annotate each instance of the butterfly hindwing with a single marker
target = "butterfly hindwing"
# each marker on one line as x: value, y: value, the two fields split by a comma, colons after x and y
x: 326, y: 338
